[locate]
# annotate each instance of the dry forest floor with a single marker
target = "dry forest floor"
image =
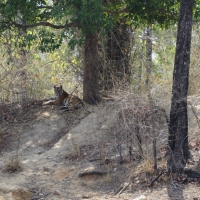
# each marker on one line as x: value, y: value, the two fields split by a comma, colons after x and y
x: 51, y: 154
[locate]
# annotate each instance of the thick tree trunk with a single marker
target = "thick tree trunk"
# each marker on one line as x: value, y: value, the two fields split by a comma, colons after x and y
x: 178, y: 127
x: 91, y: 71
x: 117, y: 68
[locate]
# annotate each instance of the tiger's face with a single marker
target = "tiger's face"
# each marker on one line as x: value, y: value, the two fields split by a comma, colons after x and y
x: 58, y: 91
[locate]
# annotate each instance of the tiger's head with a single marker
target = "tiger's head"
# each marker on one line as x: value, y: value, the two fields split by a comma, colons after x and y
x: 58, y: 90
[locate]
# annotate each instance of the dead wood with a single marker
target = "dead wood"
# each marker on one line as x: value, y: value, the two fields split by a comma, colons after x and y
x: 86, y: 173
x: 122, y: 188
x: 155, y: 179
x: 192, y: 173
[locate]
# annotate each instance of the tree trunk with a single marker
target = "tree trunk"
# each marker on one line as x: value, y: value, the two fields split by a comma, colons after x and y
x: 149, y: 65
x: 22, y: 75
x: 178, y: 126
x: 148, y: 56
x: 91, y: 70
x: 117, y: 68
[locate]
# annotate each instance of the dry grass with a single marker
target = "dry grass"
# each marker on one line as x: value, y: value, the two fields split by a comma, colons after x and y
x: 20, y: 194
x: 134, y: 125
x: 147, y: 165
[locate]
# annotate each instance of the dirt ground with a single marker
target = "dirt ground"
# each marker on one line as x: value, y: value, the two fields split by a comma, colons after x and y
x: 53, y: 154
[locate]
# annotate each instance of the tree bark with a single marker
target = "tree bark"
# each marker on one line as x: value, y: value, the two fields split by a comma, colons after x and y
x: 117, y: 68
x: 178, y: 126
x: 149, y: 65
x: 91, y: 70
x: 21, y: 63
x: 148, y: 56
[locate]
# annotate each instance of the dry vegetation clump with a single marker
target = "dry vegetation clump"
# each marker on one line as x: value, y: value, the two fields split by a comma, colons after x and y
x: 129, y: 140
x: 12, y: 164
x: 21, y: 194
x: 141, y: 178
x: 133, y: 128
x: 147, y: 165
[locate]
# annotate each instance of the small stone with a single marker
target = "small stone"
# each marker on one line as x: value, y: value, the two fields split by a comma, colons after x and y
x: 142, y: 197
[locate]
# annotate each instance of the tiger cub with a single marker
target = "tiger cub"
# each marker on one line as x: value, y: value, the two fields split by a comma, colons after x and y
x: 67, y: 101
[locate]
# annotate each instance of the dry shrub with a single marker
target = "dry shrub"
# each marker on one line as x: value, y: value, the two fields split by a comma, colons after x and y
x: 147, y: 165
x: 134, y: 127
x: 12, y: 165
x: 21, y: 194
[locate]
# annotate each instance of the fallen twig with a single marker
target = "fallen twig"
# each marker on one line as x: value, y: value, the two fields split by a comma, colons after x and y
x: 122, y: 188
x: 155, y: 179
x: 40, y: 197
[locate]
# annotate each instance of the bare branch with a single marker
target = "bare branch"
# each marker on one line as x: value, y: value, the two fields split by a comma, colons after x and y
x: 157, y: 177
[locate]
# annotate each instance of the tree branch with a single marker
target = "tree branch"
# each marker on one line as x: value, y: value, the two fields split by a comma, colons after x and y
x: 27, y: 26
x: 125, y: 10
x: 45, y: 7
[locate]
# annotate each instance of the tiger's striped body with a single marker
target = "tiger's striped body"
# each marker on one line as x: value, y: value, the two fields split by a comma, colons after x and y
x: 67, y: 101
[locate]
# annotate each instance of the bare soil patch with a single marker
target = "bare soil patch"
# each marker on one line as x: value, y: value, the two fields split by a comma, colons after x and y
x: 75, y: 155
